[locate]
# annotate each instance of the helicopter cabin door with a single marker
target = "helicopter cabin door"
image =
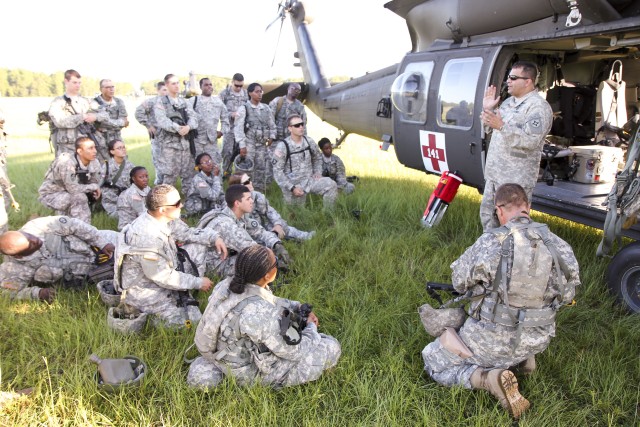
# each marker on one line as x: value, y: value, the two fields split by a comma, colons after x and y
x: 438, y: 99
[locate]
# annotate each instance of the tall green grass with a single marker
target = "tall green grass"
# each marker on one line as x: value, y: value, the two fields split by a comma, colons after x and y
x: 365, y: 278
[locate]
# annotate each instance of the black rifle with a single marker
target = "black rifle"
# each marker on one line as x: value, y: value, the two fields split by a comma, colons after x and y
x: 180, y: 117
x: 432, y: 287
x: 184, y: 298
x: 293, y: 323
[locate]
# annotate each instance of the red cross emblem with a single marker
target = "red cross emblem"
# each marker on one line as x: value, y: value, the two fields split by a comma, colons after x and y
x: 432, y: 152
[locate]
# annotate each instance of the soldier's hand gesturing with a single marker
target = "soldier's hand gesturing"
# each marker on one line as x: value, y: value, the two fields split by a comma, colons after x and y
x: 490, y: 100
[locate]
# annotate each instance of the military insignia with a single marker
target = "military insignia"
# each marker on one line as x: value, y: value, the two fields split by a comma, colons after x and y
x: 63, y: 220
x: 278, y: 153
x: 254, y: 223
x: 274, y: 161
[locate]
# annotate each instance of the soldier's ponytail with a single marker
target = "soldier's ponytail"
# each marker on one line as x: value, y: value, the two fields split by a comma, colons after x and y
x: 252, y: 264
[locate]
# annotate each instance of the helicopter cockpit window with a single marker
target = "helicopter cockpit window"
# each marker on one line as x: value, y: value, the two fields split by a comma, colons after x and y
x: 457, y: 92
x: 409, y: 92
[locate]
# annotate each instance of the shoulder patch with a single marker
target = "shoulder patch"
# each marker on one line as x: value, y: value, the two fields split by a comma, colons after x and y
x: 254, y: 223
x: 63, y: 220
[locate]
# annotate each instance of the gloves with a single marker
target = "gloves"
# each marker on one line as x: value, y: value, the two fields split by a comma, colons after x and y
x: 284, y: 260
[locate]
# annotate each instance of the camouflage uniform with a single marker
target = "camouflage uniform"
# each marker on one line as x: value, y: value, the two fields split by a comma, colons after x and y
x: 131, y: 203
x: 269, y: 218
x: 210, y: 111
x: 145, y: 268
x: 66, y: 114
x: 239, y: 335
x: 237, y: 234
x: 259, y: 127
x: 144, y: 115
x: 111, y: 119
x: 109, y: 197
x: 280, y: 115
x: 62, y: 191
x: 233, y: 101
x: 495, y: 342
x: 66, y: 249
x: 204, y: 194
x: 334, y: 169
x: 295, y: 166
x: 176, y: 159
x: 515, y: 150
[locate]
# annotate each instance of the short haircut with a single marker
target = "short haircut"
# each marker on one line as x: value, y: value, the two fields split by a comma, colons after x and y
x: 71, y: 73
x: 234, y: 194
x: 160, y: 85
x: 528, y: 68
x: 200, y: 156
x: 203, y: 79
x: 81, y: 140
x: 511, y: 194
x: 168, y: 77
x: 291, y: 117
x: 323, y: 142
x: 157, y: 197
x: 134, y: 171
x: 236, y: 178
x: 253, y: 87
x: 102, y: 82
x: 238, y: 77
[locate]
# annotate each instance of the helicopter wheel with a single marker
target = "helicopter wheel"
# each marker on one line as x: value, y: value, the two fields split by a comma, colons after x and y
x: 623, y: 277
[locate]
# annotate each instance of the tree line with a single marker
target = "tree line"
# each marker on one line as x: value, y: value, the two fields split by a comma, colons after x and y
x: 23, y: 83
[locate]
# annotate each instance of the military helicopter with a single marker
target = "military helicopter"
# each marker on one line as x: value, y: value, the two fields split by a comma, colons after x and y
x: 428, y: 105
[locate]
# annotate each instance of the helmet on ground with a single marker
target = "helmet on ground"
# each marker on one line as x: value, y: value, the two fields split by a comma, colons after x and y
x: 108, y: 293
x: 115, y: 374
x: 125, y: 322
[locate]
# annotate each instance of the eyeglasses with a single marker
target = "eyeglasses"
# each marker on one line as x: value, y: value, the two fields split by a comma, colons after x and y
x: 513, y: 77
x: 122, y: 147
x: 206, y: 162
x: 297, y: 125
x: 175, y: 205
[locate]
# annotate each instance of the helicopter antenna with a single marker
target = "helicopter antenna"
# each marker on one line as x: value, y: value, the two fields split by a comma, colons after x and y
x: 283, y: 8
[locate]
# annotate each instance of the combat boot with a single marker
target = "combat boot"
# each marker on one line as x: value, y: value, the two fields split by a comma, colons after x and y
x: 47, y: 295
x: 300, y: 235
x: 526, y: 367
x: 503, y: 385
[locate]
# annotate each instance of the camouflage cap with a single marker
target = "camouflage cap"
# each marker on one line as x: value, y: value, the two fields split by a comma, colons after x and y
x: 436, y: 320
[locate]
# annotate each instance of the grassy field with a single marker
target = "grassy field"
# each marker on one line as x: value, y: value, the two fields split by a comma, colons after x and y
x: 365, y: 278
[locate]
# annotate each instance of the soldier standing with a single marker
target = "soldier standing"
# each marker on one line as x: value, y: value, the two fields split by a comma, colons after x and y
x: 297, y: 167
x: 518, y: 129
x: 284, y: 106
x: 233, y: 97
x: 519, y: 276
x: 72, y: 182
x: 111, y: 117
x: 144, y: 115
x: 71, y: 115
x: 211, y: 112
x: 5, y: 184
x: 176, y: 122
x: 254, y: 131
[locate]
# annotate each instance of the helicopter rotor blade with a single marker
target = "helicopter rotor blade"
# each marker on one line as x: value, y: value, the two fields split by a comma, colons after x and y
x: 281, y: 16
x: 277, y: 42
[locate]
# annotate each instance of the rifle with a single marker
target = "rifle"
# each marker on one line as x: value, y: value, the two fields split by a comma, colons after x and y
x: 293, y: 323
x: 184, y: 298
x: 432, y: 287
x: 179, y: 117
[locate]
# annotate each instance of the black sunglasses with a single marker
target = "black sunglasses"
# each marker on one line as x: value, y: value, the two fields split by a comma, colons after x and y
x: 238, y: 85
x: 513, y: 77
x: 297, y: 125
x: 176, y: 204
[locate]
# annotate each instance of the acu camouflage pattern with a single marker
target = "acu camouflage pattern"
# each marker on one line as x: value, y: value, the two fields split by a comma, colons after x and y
x: 5, y: 184
x: 260, y: 126
x: 111, y: 118
x: 131, y: 204
x: 144, y: 116
x: 175, y: 159
x: 494, y: 345
x: 145, y: 270
x: 333, y: 167
x: 269, y: 218
x: 65, y: 118
x: 237, y: 234
x: 204, y: 194
x: 287, y: 109
x: 109, y: 197
x: 61, y: 190
x: 211, y: 112
x: 239, y: 335
x: 66, y: 248
x: 515, y: 151
x: 232, y: 101
x: 302, y: 169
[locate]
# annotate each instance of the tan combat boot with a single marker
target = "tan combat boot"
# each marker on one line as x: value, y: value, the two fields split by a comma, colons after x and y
x: 526, y: 367
x: 502, y: 384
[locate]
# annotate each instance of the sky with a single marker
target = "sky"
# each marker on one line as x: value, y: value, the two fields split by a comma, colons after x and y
x: 138, y: 40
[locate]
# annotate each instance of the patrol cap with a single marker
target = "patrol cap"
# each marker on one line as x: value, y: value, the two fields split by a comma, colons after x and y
x: 243, y: 164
